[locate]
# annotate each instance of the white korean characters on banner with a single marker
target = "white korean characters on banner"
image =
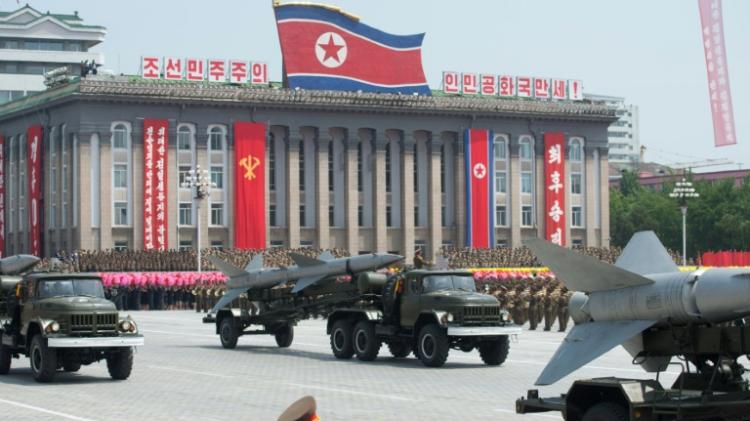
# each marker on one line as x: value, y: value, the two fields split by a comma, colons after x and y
x: 198, y: 70
x: 512, y: 86
x: 155, y: 184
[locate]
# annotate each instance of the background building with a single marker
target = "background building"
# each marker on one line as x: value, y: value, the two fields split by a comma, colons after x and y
x: 624, y: 141
x: 32, y: 42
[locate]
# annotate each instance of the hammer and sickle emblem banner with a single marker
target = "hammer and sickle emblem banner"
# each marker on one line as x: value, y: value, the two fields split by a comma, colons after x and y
x: 249, y: 185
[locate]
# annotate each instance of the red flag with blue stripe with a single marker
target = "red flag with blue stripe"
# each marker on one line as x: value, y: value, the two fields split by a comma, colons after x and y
x: 323, y: 48
x: 480, y: 199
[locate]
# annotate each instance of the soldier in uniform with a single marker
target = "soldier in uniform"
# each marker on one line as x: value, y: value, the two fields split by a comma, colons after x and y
x: 521, y: 305
x: 562, y: 309
x: 534, y: 310
x: 198, y: 297
x: 550, y: 308
x: 419, y: 261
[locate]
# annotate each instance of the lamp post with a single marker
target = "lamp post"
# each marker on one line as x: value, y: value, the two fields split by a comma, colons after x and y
x: 683, y: 190
x: 199, y: 180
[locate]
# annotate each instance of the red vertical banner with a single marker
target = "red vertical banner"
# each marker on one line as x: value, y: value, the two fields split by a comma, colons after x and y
x: 712, y: 27
x: 2, y: 196
x: 249, y: 185
x: 34, y: 168
x: 155, y: 215
x: 554, y: 187
x: 479, y: 192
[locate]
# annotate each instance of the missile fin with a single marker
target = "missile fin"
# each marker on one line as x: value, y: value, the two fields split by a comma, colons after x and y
x: 586, y: 342
x: 303, y: 283
x: 227, y: 298
x: 326, y: 256
x: 301, y: 260
x: 583, y: 273
x: 644, y: 254
x: 226, y: 268
x: 255, y: 264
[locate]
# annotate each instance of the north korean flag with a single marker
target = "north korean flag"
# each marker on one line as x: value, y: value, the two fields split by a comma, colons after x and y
x: 324, y: 48
x: 480, y: 200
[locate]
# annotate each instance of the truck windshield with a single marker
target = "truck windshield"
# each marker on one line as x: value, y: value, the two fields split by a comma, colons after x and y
x: 440, y: 282
x: 71, y: 287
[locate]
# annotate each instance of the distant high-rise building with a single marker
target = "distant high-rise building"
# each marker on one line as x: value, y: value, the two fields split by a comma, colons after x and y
x: 623, y: 137
x: 32, y: 43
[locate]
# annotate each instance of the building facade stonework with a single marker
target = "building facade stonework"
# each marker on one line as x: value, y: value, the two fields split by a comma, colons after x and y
x: 362, y: 172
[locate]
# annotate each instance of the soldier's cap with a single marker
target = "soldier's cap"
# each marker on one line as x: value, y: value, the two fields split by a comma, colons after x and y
x: 303, y: 409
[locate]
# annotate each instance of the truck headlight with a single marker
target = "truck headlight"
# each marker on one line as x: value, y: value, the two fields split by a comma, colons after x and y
x: 127, y: 325
x: 53, y: 327
x: 446, y: 318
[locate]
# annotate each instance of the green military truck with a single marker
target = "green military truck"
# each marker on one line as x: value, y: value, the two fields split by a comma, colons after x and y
x: 426, y: 312
x: 63, y: 321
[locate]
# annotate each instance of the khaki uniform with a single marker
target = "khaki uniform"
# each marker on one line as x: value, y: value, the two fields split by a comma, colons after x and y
x: 563, y: 313
x: 534, y: 309
x: 550, y: 308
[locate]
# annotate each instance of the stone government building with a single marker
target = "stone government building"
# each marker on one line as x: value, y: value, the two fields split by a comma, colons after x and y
x: 359, y: 171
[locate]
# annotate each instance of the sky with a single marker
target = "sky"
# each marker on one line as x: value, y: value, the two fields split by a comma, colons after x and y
x: 649, y: 52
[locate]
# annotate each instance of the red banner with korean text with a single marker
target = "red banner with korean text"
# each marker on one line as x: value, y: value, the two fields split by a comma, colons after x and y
x: 155, y: 208
x: 2, y: 196
x: 554, y: 187
x: 480, y: 231
x: 249, y: 185
x: 720, y: 96
x: 34, y: 171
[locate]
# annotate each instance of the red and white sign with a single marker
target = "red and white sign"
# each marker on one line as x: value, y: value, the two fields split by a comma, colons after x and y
x: 150, y: 67
x: 155, y: 182
x: 479, y: 191
x: 554, y: 187
x: 2, y: 196
x: 558, y: 89
x: 217, y: 70
x: 541, y: 88
x: 720, y: 95
x: 249, y: 185
x: 523, y: 87
x: 489, y: 85
x: 470, y: 83
x: 451, y: 83
x: 239, y: 71
x: 507, y: 86
x: 196, y: 69
x: 259, y: 74
x: 173, y: 69
x: 34, y: 164
x: 575, y: 90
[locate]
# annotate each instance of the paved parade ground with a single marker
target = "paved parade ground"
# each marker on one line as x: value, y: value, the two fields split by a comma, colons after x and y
x: 183, y: 373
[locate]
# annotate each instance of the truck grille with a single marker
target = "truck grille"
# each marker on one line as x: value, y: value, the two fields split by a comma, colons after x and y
x: 481, y: 315
x: 93, y: 323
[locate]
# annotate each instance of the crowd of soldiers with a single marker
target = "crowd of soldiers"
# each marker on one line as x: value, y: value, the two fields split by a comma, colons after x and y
x: 151, y: 297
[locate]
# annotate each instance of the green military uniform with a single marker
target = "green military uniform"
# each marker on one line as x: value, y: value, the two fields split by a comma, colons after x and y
x: 198, y: 298
x: 563, y: 313
x: 550, y: 308
x: 534, y: 309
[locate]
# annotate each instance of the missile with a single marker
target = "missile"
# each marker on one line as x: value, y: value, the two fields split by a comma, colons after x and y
x: 13, y: 265
x: 614, y: 304
x: 308, y: 271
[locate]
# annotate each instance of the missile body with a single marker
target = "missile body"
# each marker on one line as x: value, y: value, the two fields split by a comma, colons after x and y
x: 14, y: 265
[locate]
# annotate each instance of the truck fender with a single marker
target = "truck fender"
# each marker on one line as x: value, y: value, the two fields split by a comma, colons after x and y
x: 428, y: 317
x: 226, y: 312
x: 354, y: 314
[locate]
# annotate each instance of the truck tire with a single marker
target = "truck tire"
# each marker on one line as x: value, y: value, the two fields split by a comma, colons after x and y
x: 5, y: 358
x: 43, y: 360
x: 284, y: 336
x: 495, y: 351
x: 606, y: 411
x: 120, y: 363
x: 71, y: 366
x: 399, y: 349
x: 432, y: 345
x: 228, y: 333
x: 366, y: 342
x: 341, y: 339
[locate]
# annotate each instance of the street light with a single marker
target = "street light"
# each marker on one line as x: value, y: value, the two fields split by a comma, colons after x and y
x: 683, y: 190
x: 199, y: 180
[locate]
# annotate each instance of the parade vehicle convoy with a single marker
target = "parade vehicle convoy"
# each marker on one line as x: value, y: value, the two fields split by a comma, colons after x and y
x: 63, y: 321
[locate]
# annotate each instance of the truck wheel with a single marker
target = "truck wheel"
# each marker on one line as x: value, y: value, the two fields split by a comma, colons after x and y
x: 341, y: 339
x: 5, y: 358
x: 606, y: 411
x: 43, y: 360
x: 120, y: 364
x: 71, y: 366
x: 366, y: 342
x: 228, y: 333
x: 399, y: 349
x: 432, y: 346
x: 284, y: 336
x: 494, y: 351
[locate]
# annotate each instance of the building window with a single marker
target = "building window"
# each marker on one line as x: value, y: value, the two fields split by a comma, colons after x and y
x: 186, y: 245
x: 525, y: 149
x: 416, y: 215
x: 420, y: 245
x: 526, y: 216
x: 499, y: 150
x: 302, y: 219
x: 575, y: 150
x: 120, y: 136
x: 442, y: 169
x: 184, y: 138
x: 415, y: 164
x: 186, y: 214
x: 276, y: 244
x: 305, y: 244
x: 388, y: 216
x: 442, y: 216
x: 301, y: 166
x: 501, y: 243
x: 500, y: 182
x: 121, y: 213
x: 526, y: 183
x: 121, y: 246
x: 360, y: 216
x: 331, y: 218
x: 183, y: 174
x: 359, y: 167
x: 387, y: 167
x: 272, y: 215
x: 216, y: 139
x: 121, y: 175
x: 217, y: 214
x: 217, y: 244
x: 575, y: 217
x: 217, y: 177
x: 575, y: 183
x: 272, y: 164
x: 330, y: 165
x: 500, y: 216
x: 577, y: 243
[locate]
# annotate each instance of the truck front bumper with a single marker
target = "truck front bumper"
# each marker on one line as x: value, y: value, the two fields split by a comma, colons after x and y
x: 104, y: 342
x: 483, y: 330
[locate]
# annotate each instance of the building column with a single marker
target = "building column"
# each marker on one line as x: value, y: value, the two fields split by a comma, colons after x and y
x: 105, y: 174
x: 407, y: 195
x: 434, y: 198
x: 321, y: 192
x: 173, y: 207
x: 137, y: 179
x: 459, y: 169
x: 589, y: 189
x: 294, y: 137
x: 380, y: 202
x: 604, y: 195
x: 514, y: 189
x: 351, y: 141
x: 85, y: 240
x: 202, y: 159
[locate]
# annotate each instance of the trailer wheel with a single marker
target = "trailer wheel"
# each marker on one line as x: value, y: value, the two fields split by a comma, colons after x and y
x: 228, y: 333
x: 5, y: 358
x: 341, y: 339
x: 120, y: 364
x: 284, y: 336
x: 494, y: 351
x: 366, y: 342
x: 606, y: 411
x: 399, y: 349
x: 432, y: 346
x: 43, y: 360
